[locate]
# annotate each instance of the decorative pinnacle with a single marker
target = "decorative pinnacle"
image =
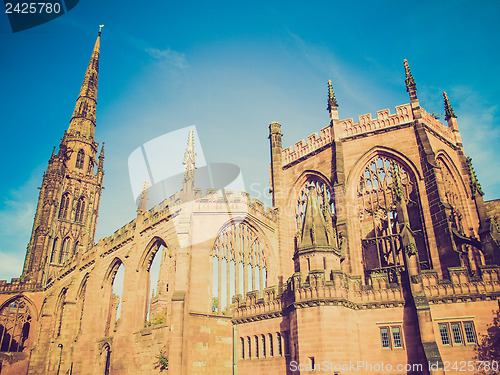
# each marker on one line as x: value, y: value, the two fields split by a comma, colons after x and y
x: 474, y: 183
x: 100, y: 27
x: 397, y: 185
x: 189, y: 159
x: 332, y: 101
x: 447, y: 107
x: 409, y: 81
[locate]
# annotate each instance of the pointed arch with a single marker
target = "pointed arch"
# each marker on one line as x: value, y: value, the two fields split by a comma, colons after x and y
x: 63, y: 210
x: 149, y: 253
x: 80, y: 209
x: 16, y: 317
x: 55, y: 247
x: 80, y: 159
x: 110, y: 273
x: 65, y: 250
x: 80, y: 300
x: 59, y: 312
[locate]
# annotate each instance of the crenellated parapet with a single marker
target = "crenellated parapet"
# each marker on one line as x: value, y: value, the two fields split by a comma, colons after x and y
x: 384, y: 120
x: 306, y: 147
x: 17, y: 285
x: 438, y: 127
x: 340, y: 289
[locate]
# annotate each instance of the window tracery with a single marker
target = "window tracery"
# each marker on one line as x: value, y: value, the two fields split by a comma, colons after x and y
x: 325, y: 199
x: 15, y: 322
x: 80, y: 208
x: 63, y: 210
x: 378, y: 218
x: 239, y: 265
x: 80, y: 158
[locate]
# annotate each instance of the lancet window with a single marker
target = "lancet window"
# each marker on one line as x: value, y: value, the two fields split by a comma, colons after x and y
x: 325, y: 199
x: 80, y: 158
x: 65, y: 249
x: 63, y: 210
x: 15, y: 321
x: 378, y: 218
x: 238, y: 264
x: 80, y: 208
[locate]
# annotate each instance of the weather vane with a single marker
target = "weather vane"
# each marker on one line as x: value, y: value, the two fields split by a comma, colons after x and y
x: 100, y: 27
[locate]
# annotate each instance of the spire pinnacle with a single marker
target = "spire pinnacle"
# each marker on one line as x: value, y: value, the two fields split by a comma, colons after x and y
x: 332, y: 101
x: 189, y: 159
x: 84, y: 116
x: 101, y: 158
x: 409, y: 81
x: 447, y: 107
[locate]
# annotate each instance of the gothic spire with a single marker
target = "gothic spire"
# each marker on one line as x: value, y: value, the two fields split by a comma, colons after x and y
x: 447, y: 108
x: 101, y: 158
x: 189, y: 159
x: 84, y: 116
x: 332, y: 101
x: 409, y: 81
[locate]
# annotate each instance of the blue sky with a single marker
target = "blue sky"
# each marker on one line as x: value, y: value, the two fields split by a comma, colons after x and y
x: 231, y: 68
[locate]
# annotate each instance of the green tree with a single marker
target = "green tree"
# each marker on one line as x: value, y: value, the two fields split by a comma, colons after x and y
x: 488, y: 348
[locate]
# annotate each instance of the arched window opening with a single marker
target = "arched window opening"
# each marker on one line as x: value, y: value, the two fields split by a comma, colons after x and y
x: 55, y: 246
x: 279, y: 344
x: 115, y: 280
x: 158, y: 271
x: 106, y: 359
x: 63, y: 210
x: 271, y: 346
x: 80, y: 158
x: 59, y: 313
x: 380, y: 230
x: 325, y: 199
x: 15, y: 322
x: 75, y: 247
x: 64, y: 254
x: 80, y: 208
x: 81, y: 304
x: 91, y: 166
x: 238, y: 265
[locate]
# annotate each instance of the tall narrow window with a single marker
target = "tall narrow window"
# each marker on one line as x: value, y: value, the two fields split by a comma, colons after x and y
x: 457, y: 333
x: 256, y: 338
x: 80, y: 208
x: 279, y: 343
x: 271, y: 346
x: 15, y: 321
x: 470, y: 336
x: 59, y: 313
x: 53, y: 256
x: 91, y: 166
x: 63, y: 255
x: 80, y: 158
x: 445, y: 337
x: 396, y: 337
x: 156, y: 308
x: 384, y: 335
x: 63, y: 210
x: 263, y: 338
x: 249, y: 346
x: 242, y: 347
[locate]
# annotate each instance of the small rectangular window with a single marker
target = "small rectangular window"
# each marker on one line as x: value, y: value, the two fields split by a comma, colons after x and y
x: 384, y: 335
x: 396, y: 337
x: 445, y: 337
x: 457, y: 333
x: 469, y: 332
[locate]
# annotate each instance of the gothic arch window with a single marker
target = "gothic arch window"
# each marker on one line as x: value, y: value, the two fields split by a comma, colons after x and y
x: 106, y: 359
x: 75, y: 247
x: 81, y: 303
x: 80, y: 158
x: 114, y: 290
x: 55, y: 246
x: 325, y: 199
x: 159, y: 269
x: 80, y: 209
x: 238, y: 264
x: 91, y: 166
x: 378, y: 218
x: 15, y: 322
x: 59, y: 313
x: 65, y: 248
x: 63, y: 210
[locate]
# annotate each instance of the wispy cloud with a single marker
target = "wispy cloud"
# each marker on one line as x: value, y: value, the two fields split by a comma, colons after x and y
x: 168, y: 57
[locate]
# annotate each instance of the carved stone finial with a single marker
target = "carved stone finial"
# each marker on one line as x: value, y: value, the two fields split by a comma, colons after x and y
x: 447, y: 107
x: 474, y: 183
x: 332, y: 101
x: 409, y: 81
x: 397, y: 186
x: 189, y: 159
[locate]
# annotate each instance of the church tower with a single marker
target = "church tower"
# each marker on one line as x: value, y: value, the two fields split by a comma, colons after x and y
x: 68, y: 204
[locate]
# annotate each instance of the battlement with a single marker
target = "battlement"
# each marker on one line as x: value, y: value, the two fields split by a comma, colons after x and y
x: 304, y: 147
x: 339, y: 288
x: 438, y: 127
x: 384, y: 119
x: 17, y: 285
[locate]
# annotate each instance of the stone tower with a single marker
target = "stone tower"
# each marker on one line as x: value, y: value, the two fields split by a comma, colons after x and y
x: 68, y: 204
